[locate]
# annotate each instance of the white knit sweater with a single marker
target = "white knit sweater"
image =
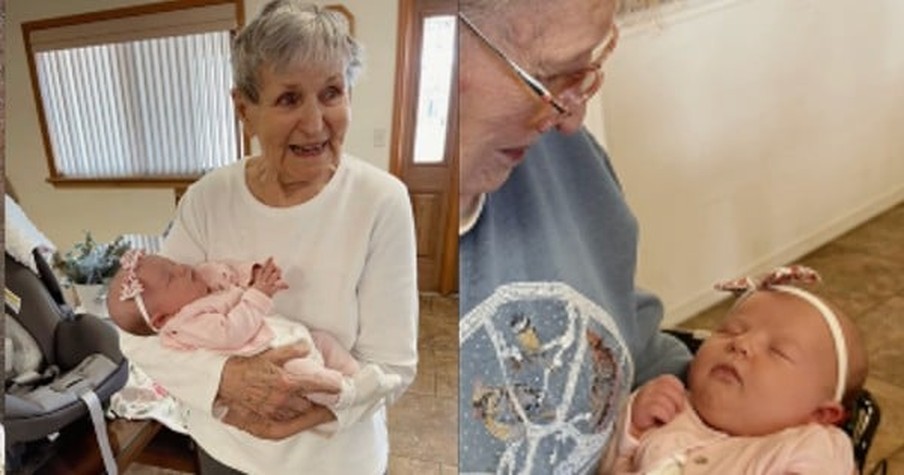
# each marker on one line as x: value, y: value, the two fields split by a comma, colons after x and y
x: 348, y: 256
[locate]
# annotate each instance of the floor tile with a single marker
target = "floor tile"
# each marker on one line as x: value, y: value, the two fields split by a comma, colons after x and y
x: 408, y: 466
x: 424, y: 428
x: 883, y: 331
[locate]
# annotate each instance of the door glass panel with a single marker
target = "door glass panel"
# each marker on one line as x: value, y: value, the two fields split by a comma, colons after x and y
x: 437, y: 53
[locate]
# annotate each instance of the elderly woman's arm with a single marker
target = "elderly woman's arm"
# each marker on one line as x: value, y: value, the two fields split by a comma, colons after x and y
x: 387, y: 300
x: 197, y: 378
x: 661, y: 353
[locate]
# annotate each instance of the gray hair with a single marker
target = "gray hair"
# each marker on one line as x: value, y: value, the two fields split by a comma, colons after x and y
x: 290, y: 31
x: 499, y: 9
x: 480, y: 9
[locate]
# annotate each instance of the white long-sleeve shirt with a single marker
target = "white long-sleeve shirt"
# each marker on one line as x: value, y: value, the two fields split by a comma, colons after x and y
x: 348, y: 256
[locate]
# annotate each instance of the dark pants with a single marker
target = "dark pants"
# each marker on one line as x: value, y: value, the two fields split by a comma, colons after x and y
x: 210, y: 466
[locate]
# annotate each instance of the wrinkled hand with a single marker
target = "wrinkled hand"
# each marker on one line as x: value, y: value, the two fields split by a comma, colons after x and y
x: 267, y: 278
x: 276, y: 429
x: 656, y: 403
x: 266, y: 401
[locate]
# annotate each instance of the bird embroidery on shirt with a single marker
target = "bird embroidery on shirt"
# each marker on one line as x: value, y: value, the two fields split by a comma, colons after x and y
x: 605, y: 370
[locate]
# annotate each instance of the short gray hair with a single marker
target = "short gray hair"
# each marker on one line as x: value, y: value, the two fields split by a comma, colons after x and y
x: 480, y: 9
x: 290, y: 31
x: 497, y: 15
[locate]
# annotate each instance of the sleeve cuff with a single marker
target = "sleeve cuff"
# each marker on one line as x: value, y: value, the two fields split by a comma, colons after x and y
x: 259, y: 300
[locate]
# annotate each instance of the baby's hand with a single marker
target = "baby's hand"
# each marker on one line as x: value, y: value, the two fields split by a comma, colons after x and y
x: 268, y: 278
x: 656, y: 403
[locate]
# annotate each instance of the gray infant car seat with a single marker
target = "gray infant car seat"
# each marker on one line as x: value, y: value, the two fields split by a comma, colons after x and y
x: 79, y: 365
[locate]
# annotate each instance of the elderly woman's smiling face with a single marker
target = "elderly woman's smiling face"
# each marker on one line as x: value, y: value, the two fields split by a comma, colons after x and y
x: 300, y: 120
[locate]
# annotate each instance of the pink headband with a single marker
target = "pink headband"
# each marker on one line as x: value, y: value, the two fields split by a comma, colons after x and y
x: 782, y: 279
x: 131, y: 286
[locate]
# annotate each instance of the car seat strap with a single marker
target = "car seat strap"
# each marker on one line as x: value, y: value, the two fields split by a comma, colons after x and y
x: 100, y: 431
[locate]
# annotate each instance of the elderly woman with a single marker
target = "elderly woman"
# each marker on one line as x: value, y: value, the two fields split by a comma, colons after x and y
x: 553, y: 331
x: 341, y: 230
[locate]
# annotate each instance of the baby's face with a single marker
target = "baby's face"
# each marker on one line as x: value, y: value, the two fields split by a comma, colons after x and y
x: 168, y: 285
x: 768, y: 366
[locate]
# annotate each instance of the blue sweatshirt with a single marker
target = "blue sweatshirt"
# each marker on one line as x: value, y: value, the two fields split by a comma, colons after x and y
x: 553, y: 333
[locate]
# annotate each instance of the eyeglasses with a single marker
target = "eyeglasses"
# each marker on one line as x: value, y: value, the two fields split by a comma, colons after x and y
x: 576, y: 87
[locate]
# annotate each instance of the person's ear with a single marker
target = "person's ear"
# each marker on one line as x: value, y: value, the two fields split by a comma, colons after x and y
x: 574, y: 120
x: 828, y: 413
x: 242, y: 109
x: 158, y: 319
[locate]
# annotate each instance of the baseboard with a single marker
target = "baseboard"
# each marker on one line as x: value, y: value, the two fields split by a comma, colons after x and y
x: 706, y: 298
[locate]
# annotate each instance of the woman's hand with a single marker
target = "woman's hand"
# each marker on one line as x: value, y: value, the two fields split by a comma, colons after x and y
x: 656, y: 403
x: 273, y: 429
x: 266, y: 401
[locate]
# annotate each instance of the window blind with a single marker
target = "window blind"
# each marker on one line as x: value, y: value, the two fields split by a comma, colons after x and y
x: 152, y: 107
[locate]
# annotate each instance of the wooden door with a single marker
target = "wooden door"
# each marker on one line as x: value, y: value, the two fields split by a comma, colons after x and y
x: 425, y: 134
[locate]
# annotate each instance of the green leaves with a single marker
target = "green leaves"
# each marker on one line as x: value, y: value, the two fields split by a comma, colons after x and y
x: 90, y: 262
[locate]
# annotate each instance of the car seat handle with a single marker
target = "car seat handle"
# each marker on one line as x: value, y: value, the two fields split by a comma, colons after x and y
x: 49, y: 280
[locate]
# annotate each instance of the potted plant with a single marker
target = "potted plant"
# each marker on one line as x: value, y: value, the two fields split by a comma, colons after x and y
x: 88, y: 266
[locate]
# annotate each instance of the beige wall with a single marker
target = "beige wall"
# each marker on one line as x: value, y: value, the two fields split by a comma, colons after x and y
x: 64, y: 213
x: 749, y: 132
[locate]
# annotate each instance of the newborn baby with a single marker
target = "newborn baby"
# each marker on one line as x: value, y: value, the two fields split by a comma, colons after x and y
x: 221, y: 306
x: 765, y: 390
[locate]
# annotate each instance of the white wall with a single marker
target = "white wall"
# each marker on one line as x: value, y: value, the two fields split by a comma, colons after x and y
x: 749, y: 132
x: 64, y: 213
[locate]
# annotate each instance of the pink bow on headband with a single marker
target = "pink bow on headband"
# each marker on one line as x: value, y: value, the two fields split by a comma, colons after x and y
x: 131, y: 286
x: 790, y: 275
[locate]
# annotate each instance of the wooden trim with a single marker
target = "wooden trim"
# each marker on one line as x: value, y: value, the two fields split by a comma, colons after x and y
x: 117, y: 13
x: 448, y: 281
x: 240, y: 13
x: 27, y: 27
x: 144, y: 182
x: 39, y: 104
x: 405, y: 41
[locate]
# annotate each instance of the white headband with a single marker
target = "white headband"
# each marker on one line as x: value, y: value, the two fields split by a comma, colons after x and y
x: 777, y: 280
x: 131, y: 286
x: 144, y: 311
x: 834, y: 327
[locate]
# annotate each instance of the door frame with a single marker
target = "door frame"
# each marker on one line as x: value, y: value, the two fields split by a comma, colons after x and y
x: 402, y: 137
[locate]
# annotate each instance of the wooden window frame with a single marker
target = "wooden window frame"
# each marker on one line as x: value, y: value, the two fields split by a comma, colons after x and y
x: 175, y: 182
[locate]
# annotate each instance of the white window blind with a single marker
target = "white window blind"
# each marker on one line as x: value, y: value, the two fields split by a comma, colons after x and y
x: 152, y: 107
x: 137, y: 93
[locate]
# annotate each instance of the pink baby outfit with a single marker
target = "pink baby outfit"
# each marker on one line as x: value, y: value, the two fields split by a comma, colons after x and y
x: 686, y: 445
x: 233, y: 320
x: 228, y: 320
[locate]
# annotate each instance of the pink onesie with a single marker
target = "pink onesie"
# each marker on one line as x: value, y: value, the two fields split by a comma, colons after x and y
x: 232, y: 320
x: 686, y: 445
x: 228, y: 320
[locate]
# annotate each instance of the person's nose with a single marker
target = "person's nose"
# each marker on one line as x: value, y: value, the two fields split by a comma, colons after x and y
x: 743, y: 345
x: 738, y: 347
x: 310, y: 117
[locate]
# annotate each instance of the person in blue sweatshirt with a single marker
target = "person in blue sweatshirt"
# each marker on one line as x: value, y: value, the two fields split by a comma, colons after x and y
x: 553, y: 332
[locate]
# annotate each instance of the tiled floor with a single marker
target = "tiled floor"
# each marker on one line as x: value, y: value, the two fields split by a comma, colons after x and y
x: 863, y: 273
x: 423, y: 424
